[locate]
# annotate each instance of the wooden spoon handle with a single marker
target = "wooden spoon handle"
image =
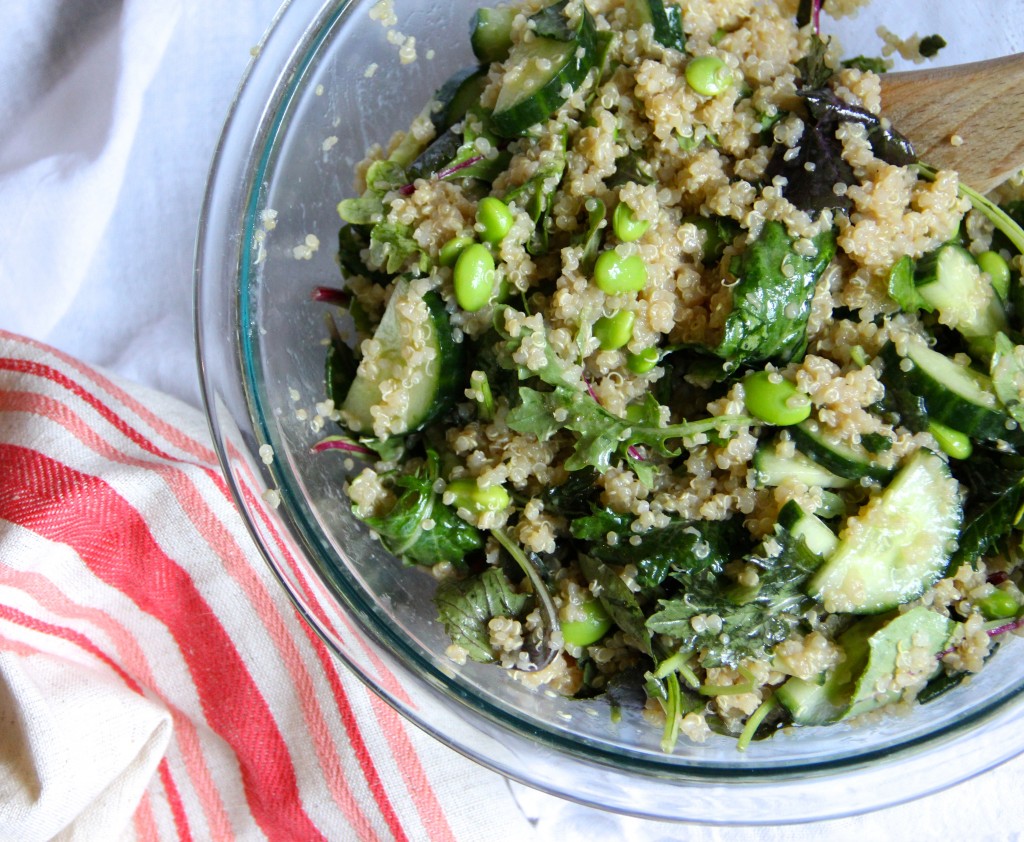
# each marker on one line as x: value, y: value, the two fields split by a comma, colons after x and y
x: 981, y: 103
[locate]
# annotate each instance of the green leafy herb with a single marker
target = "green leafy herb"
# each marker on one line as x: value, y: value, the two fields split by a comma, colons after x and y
x: 600, y: 522
x: 339, y: 367
x: 618, y: 600
x: 537, y: 193
x: 599, y: 434
x: 551, y: 22
x: 454, y: 156
x: 466, y: 607
x: 930, y: 45
x: 752, y: 622
x: 682, y: 546
x: 590, y: 238
x: 772, y: 297
x: 393, y: 248
x: 814, y: 70
x: 419, y: 528
x: 381, y: 178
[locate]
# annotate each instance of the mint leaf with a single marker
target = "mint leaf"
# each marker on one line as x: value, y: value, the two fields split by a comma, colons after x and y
x: 466, y: 607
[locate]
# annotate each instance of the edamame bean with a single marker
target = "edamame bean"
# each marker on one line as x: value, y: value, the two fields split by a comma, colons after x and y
x: 616, y: 330
x: 996, y: 267
x: 998, y: 605
x: 464, y: 493
x: 495, y: 218
x: 473, y: 277
x: 626, y: 226
x: 451, y: 250
x: 592, y: 624
x: 643, y: 362
x: 708, y: 75
x: 775, y: 400
x: 953, y: 443
x: 614, y: 274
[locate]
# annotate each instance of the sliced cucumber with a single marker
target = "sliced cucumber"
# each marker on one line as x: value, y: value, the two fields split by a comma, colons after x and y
x: 490, y: 33
x: 772, y: 469
x: 456, y: 96
x: 928, y: 386
x: 541, y: 74
x: 898, y: 545
x: 820, y: 539
x: 665, y: 17
x: 950, y: 281
x: 417, y: 361
x: 846, y: 460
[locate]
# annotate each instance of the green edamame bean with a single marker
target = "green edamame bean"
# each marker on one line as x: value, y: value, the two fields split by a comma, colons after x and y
x: 775, y: 401
x: 451, y: 250
x: 616, y: 330
x: 466, y: 494
x: 643, y: 362
x: 592, y: 625
x: 473, y: 277
x: 996, y: 267
x: 953, y: 443
x: 626, y: 226
x: 495, y: 218
x: 614, y: 274
x: 708, y: 75
x: 998, y: 605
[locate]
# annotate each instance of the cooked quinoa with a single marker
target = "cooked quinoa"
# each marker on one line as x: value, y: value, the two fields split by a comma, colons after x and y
x: 613, y: 430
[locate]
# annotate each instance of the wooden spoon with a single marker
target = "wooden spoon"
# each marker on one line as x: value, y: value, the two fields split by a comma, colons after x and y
x: 981, y: 103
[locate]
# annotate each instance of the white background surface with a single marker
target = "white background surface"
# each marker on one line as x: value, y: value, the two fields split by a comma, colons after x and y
x: 109, y: 114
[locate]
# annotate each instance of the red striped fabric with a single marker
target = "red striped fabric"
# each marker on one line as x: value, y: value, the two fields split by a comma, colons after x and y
x: 122, y: 557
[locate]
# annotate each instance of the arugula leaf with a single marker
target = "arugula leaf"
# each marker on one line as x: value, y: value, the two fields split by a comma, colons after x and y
x: 466, y: 607
x: 752, y: 623
x: 590, y: 238
x: 536, y: 195
x: 402, y: 530
x: 600, y: 434
x: 454, y: 155
x: 618, y: 600
x: 393, y: 247
x: 772, y: 298
x: 682, y: 546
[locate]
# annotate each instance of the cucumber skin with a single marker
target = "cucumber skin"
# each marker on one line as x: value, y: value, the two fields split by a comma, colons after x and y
x: 918, y: 398
x: 518, y: 119
x: 852, y: 468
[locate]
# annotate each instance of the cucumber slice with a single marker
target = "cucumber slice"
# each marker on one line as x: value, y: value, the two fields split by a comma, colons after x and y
x: 929, y: 386
x: 490, y: 33
x: 414, y: 374
x: 845, y: 460
x: 456, y: 96
x: 665, y: 18
x: 950, y: 282
x: 820, y: 539
x: 812, y: 702
x: 898, y: 545
x: 772, y: 469
x: 540, y: 75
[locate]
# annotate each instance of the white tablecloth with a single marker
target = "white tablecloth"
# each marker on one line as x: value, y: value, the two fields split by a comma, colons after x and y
x: 109, y: 113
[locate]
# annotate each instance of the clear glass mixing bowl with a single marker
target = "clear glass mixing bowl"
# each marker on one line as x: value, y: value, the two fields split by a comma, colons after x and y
x: 306, y: 112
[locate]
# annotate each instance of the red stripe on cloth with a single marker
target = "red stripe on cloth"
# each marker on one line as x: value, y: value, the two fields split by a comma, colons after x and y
x: 13, y: 615
x: 237, y: 564
x: 84, y: 512
x: 171, y: 433
x: 131, y: 654
x: 144, y: 821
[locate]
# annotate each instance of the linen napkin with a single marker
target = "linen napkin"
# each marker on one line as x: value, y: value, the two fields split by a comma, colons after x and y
x: 155, y: 682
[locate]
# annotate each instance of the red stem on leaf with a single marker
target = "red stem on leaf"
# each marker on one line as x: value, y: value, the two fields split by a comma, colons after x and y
x: 410, y: 188
x: 340, y: 444
x: 331, y: 295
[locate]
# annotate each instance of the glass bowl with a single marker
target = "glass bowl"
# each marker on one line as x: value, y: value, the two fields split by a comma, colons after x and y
x: 326, y: 83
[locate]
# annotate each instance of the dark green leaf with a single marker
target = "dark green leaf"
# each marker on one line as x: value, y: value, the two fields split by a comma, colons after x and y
x: 772, y: 298
x: 813, y: 70
x: 466, y: 607
x: 339, y: 369
x: 618, y: 600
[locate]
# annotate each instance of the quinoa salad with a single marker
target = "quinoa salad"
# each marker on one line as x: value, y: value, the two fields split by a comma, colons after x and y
x: 689, y: 384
